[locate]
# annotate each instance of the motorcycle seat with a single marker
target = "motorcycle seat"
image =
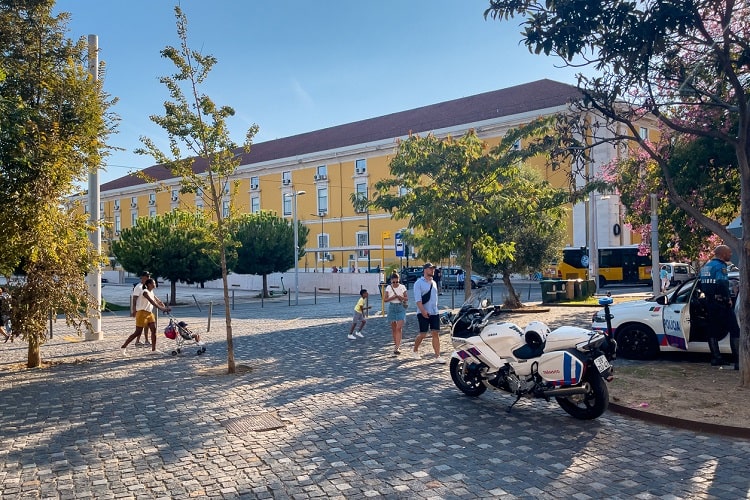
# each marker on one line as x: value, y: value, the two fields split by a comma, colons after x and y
x: 527, y: 351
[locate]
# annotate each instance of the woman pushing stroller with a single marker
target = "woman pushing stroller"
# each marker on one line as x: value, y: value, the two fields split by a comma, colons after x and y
x: 144, y: 315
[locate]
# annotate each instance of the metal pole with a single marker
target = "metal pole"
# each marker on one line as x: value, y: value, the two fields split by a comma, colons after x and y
x: 367, y: 215
x: 94, y: 277
x: 656, y: 281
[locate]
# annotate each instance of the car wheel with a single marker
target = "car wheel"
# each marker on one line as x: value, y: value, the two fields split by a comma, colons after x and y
x: 636, y: 341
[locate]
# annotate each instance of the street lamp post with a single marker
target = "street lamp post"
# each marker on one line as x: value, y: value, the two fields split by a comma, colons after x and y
x: 321, y: 214
x: 296, y: 243
x: 385, y: 235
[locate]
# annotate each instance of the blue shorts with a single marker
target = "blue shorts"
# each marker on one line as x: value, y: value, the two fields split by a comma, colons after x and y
x: 396, y: 312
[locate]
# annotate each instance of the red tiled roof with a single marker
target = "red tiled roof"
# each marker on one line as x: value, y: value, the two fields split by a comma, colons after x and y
x: 498, y: 103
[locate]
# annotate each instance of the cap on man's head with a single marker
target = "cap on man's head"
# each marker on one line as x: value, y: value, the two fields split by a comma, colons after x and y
x: 428, y: 264
x: 145, y: 273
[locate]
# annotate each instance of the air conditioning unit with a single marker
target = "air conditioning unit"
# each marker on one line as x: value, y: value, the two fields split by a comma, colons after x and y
x: 253, y: 186
x: 359, y: 170
x: 329, y: 257
x: 133, y: 205
x: 174, y: 198
x: 321, y: 177
x: 117, y: 233
x: 117, y: 206
x: 152, y: 202
x: 286, y: 182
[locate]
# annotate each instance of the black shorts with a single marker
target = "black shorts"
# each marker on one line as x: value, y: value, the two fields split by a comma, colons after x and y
x: 427, y: 324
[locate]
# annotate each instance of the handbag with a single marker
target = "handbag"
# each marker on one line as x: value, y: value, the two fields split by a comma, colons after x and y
x: 426, y: 296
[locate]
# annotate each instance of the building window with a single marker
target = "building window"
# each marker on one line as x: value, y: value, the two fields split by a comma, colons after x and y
x: 254, y: 204
x: 322, y: 200
x: 225, y: 209
x: 360, y: 166
x: 321, y: 173
x: 86, y: 208
x: 254, y: 182
x: 152, y: 212
x: 323, y: 240
x: 403, y: 191
x: 118, y: 224
x: 362, y: 239
x: 286, y: 178
x: 644, y: 133
x: 175, y: 195
x: 199, y: 204
x: 133, y: 219
x: 287, y: 205
x: 152, y: 198
x: 133, y: 202
x: 117, y: 204
x: 199, y: 193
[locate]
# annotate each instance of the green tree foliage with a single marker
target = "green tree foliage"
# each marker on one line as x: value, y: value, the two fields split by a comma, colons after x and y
x: 178, y: 246
x: 266, y: 245
x: 456, y: 193
x: 682, y: 64
x: 536, y: 228
x: 53, y: 127
x: 705, y: 171
x: 193, y: 120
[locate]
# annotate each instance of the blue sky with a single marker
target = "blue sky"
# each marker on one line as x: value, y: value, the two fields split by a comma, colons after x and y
x: 296, y: 66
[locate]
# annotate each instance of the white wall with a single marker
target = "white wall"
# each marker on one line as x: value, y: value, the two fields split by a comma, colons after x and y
x: 346, y: 283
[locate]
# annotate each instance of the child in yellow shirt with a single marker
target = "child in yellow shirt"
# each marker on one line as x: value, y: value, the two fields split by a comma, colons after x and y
x: 360, y: 313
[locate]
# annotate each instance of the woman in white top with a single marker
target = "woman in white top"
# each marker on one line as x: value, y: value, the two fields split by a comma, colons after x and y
x: 397, y: 299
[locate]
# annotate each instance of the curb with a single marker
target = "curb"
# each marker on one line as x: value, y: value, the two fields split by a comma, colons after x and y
x: 679, y: 423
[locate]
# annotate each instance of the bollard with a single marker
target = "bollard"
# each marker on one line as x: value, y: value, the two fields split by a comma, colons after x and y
x: 232, y: 300
x: 210, y: 312
x: 315, y: 300
x: 339, y: 294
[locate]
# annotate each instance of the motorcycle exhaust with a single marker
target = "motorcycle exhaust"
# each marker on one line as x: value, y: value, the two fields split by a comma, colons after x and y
x: 567, y: 391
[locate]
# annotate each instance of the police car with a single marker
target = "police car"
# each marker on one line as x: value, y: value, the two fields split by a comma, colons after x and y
x: 644, y: 328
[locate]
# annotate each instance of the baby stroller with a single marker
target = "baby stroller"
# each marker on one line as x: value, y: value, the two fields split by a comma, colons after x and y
x: 180, y: 333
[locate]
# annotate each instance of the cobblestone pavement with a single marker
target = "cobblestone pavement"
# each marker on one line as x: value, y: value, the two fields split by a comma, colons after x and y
x: 317, y: 416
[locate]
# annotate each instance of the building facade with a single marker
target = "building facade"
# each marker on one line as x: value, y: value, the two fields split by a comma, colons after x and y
x: 333, y: 164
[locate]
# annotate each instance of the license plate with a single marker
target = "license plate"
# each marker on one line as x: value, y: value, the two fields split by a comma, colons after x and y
x: 602, y: 364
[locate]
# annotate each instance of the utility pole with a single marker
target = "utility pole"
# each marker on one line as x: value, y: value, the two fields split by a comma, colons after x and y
x: 94, y: 277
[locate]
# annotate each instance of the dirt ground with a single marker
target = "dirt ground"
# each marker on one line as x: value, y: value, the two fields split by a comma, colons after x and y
x: 674, y: 385
x: 691, y: 390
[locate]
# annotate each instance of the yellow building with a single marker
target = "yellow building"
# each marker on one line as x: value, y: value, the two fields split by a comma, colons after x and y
x: 331, y: 164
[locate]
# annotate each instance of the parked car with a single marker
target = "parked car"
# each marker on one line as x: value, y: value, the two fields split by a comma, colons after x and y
x: 644, y: 328
x: 410, y: 274
x: 678, y: 272
x: 450, y: 278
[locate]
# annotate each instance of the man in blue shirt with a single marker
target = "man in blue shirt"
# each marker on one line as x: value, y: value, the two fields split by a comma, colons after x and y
x: 715, y: 286
x: 425, y: 296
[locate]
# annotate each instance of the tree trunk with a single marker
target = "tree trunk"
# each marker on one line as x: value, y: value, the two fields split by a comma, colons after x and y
x: 513, y: 301
x: 173, y: 293
x: 34, y: 358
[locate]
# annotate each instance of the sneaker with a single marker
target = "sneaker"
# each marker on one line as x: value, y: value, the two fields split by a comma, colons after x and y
x: 147, y: 343
x: 139, y: 344
x: 415, y: 355
x: 125, y: 352
x: 396, y: 352
x: 201, y: 343
x: 440, y: 360
x: 359, y: 334
x: 351, y: 337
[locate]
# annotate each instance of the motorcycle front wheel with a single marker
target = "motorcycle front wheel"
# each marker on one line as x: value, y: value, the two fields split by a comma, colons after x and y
x: 590, y: 405
x: 467, y: 380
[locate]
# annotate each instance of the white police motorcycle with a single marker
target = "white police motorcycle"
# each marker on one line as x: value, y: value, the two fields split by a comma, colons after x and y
x: 570, y: 364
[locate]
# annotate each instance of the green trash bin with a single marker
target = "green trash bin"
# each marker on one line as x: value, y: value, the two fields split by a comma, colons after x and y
x: 561, y: 293
x: 585, y: 289
x: 570, y: 289
x: 592, y: 288
x: 549, y: 293
x: 577, y: 293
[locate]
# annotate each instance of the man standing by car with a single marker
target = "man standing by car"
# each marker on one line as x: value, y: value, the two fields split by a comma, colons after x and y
x: 719, y: 306
x: 425, y: 296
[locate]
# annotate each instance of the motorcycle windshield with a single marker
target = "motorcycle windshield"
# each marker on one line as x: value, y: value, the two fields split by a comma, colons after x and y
x: 478, y: 299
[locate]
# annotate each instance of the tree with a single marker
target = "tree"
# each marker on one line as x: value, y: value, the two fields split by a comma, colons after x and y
x: 456, y: 190
x: 536, y: 228
x: 704, y: 170
x: 194, y: 120
x: 178, y: 246
x: 683, y: 64
x: 266, y: 245
x: 54, y: 122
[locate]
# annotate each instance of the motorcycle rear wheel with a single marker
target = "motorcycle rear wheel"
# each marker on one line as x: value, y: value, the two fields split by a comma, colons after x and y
x: 468, y: 383
x: 590, y: 405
